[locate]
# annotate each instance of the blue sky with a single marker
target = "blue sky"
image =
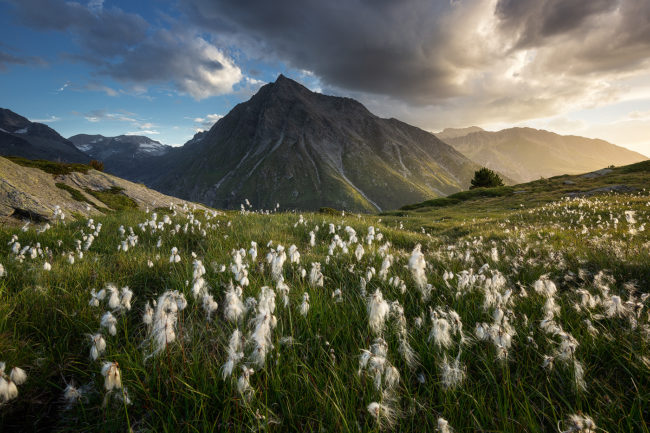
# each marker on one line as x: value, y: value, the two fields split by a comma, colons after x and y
x: 168, y: 68
x: 71, y: 95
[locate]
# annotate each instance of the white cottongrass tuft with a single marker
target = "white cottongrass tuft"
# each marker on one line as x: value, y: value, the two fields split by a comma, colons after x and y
x: 417, y: 265
x: 443, y: 426
x: 235, y: 353
x: 316, y: 276
x: 112, y: 376
x: 452, y: 373
x: 378, y: 310
x: 109, y: 321
x: 18, y: 376
x: 383, y: 414
x: 579, y: 424
x: 234, y: 307
x: 165, y: 317
x: 243, y: 383
x: 304, y: 307
x: 97, y: 346
x: 174, y: 257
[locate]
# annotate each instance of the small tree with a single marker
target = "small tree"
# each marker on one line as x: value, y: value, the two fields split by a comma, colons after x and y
x: 486, y: 178
x: 97, y: 165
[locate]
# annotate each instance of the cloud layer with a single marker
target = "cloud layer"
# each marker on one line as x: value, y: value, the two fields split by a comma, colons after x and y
x: 483, y: 60
x: 127, y: 48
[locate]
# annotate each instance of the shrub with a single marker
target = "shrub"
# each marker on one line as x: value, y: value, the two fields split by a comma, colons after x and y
x: 486, y: 178
x: 97, y: 165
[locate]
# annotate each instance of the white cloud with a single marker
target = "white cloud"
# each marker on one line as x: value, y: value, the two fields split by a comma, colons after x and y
x: 143, y: 132
x: 206, y: 122
x: 48, y: 119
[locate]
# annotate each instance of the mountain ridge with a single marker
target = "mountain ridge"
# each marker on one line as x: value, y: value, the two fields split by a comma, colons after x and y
x: 526, y: 154
x: 22, y: 137
x: 317, y: 150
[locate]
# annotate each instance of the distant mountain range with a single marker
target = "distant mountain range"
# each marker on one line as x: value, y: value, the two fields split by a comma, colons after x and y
x: 306, y: 150
x: 525, y: 154
x: 20, y: 137
x: 123, y: 155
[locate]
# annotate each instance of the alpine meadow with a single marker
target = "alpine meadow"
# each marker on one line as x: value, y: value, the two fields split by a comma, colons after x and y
x: 325, y: 216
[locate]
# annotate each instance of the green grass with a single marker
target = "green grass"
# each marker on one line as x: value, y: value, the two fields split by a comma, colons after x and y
x: 52, y: 167
x: 74, y: 193
x: 113, y: 198
x: 314, y: 384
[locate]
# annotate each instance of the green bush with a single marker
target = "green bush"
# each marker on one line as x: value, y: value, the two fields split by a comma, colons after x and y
x: 486, y: 178
x: 55, y: 168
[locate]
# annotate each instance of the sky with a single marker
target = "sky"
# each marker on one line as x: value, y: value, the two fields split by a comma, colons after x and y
x: 170, y: 68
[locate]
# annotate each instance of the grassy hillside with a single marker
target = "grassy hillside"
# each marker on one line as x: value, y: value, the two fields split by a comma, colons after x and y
x: 524, y: 310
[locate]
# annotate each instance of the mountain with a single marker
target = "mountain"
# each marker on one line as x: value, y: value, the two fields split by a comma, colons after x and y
x: 525, y: 154
x: 457, y: 132
x: 123, y: 155
x: 30, y: 189
x: 20, y: 137
x: 306, y: 150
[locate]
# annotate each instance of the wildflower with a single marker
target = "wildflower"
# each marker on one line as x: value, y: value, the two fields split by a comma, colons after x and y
x: 316, y: 276
x: 96, y: 297
x: 378, y: 309
x: 71, y: 394
x: 98, y: 346
x: 359, y: 252
x: 253, y: 251
x: 545, y: 287
x: 175, y: 257
x: 386, y: 263
x: 244, y: 384
x: 452, y: 373
x: 8, y: 389
x: 615, y: 307
x: 234, y: 307
x: 440, y: 330
x: 112, y: 376
x: 580, y: 424
x: 165, y: 318
x: 383, y: 415
x: 443, y: 426
x: 235, y: 353
x: 283, y: 289
x: 304, y: 307
x: 125, y: 298
x: 18, y: 376
x: 114, y: 296
x: 417, y: 266
x: 209, y: 305
x: 294, y: 255
x: 147, y: 317
x: 109, y: 321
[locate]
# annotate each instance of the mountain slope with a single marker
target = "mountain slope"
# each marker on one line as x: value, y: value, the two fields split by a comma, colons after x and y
x: 123, y: 155
x: 305, y: 150
x: 457, y: 132
x: 20, y: 137
x: 30, y: 190
x: 525, y: 154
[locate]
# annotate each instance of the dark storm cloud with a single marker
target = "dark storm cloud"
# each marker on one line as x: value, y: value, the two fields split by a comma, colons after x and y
x: 362, y: 45
x: 534, y: 20
x: 425, y: 52
x: 126, y: 47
